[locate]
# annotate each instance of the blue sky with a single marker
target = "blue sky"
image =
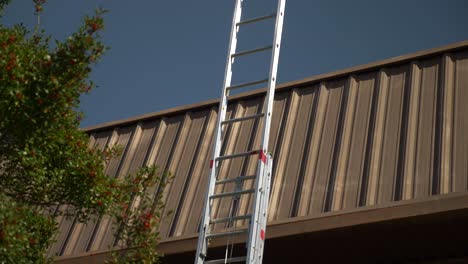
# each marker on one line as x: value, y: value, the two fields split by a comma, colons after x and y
x: 171, y: 53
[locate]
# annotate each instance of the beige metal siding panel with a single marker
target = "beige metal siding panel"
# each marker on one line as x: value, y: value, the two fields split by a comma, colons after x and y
x: 377, y: 139
x: 103, y: 225
x: 280, y: 168
x: 325, y: 156
x: 182, y: 169
x: 192, y: 203
x: 426, y: 131
x: 177, y: 164
x: 313, y: 151
x: 291, y: 160
x: 344, y: 148
x: 448, y: 89
x: 412, y: 135
x: 460, y: 138
x: 388, y: 178
x: 127, y: 160
x: 354, y: 145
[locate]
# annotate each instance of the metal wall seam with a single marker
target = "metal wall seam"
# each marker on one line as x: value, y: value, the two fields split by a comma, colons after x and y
x: 120, y: 137
x: 460, y: 139
x: 196, y: 139
x: 357, y: 166
x: 318, y: 129
x: 164, y: 147
x: 191, y: 211
x: 149, y: 129
x: 294, y: 157
x: 428, y: 150
x: 377, y: 141
x: 413, y: 120
x: 327, y: 152
x: 170, y: 156
x: 127, y: 157
x: 448, y: 83
x: 156, y: 135
x: 344, y: 149
x: 181, y: 162
x: 393, y: 135
x: 278, y: 183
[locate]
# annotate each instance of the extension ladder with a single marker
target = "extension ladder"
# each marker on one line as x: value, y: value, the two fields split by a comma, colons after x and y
x: 255, y: 233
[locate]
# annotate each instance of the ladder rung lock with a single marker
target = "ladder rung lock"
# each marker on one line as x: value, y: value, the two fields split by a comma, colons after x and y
x: 226, y: 234
x: 253, y: 20
x: 246, y: 84
x: 221, y: 195
x: 242, y: 119
x: 247, y: 52
x: 237, y: 179
x: 238, y: 155
x: 233, y: 218
x: 229, y: 260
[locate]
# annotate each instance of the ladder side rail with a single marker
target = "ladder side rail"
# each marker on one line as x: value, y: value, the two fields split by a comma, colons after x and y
x: 255, y: 233
x: 264, y: 208
x: 254, y: 230
x: 273, y: 74
x: 204, y: 227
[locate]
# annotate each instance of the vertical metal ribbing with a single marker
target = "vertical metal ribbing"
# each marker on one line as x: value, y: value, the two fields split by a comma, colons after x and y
x: 204, y: 228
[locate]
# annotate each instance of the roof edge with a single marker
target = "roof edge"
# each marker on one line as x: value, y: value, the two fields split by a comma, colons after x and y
x: 288, y: 85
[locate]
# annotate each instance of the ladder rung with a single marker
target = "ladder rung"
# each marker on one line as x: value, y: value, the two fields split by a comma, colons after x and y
x: 242, y: 118
x: 221, y: 195
x: 229, y: 260
x: 225, y: 234
x: 233, y: 218
x: 237, y: 179
x: 238, y: 155
x: 247, y: 52
x: 253, y: 20
x: 237, y: 86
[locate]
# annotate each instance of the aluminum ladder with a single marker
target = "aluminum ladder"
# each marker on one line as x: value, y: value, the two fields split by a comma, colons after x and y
x: 255, y: 233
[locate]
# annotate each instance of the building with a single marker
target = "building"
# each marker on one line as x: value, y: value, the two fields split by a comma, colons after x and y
x: 371, y: 165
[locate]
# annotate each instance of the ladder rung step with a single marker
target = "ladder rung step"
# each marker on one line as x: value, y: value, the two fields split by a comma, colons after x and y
x: 226, y: 234
x: 237, y: 179
x: 237, y: 155
x: 242, y: 118
x: 221, y: 195
x: 237, y: 86
x: 233, y: 218
x: 229, y: 260
x: 253, y: 20
x: 247, y: 52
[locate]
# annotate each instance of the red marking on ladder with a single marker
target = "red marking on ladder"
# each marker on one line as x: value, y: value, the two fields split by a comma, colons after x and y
x: 262, y: 234
x: 262, y: 156
x: 211, y: 164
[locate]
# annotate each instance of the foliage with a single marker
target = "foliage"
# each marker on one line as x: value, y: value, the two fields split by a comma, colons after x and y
x: 24, y: 233
x: 138, y: 222
x: 45, y: 160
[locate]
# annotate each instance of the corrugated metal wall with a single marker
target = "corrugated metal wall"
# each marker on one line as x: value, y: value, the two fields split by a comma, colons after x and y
x: 368, y: 137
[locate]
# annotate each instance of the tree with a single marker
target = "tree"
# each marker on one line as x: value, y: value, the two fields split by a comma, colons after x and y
x: 45, y: 160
